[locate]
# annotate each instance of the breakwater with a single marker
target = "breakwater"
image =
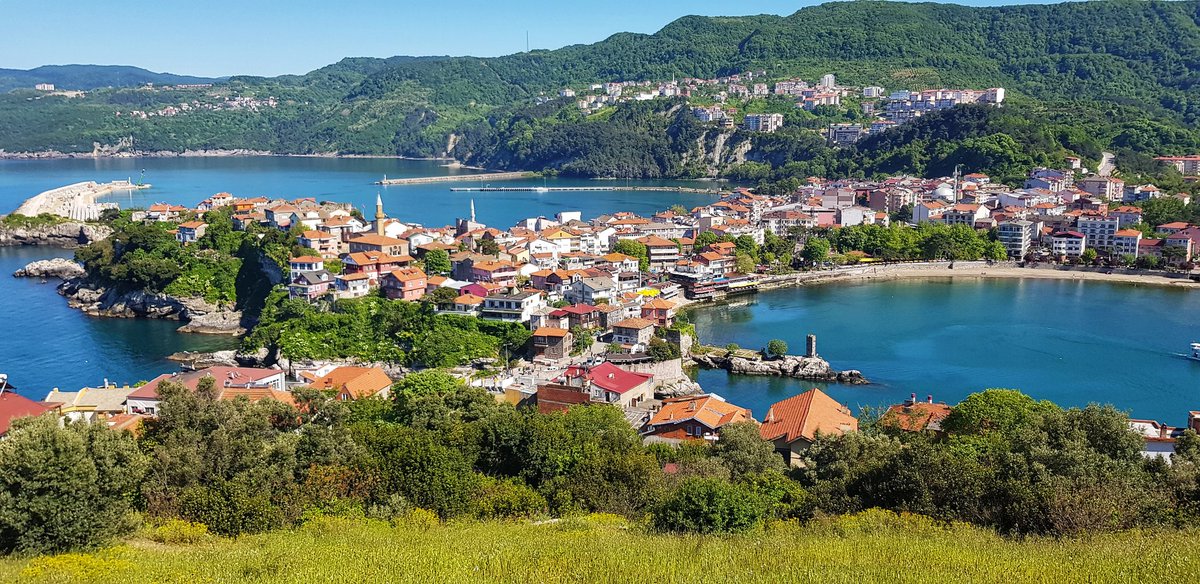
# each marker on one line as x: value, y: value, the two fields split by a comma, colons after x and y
x: 76, y: 201
x: 483, y: 177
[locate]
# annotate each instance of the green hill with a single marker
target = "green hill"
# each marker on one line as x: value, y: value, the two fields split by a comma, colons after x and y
x: 1099, y: 67
x: 85, y: 77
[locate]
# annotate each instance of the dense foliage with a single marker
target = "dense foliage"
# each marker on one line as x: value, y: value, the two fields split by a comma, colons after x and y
x: 1082, y: 77
x: 376, y: 329
x: 1003, y: 461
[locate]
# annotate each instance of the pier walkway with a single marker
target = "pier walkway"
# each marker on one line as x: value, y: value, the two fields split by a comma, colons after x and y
x: 76, y: 201
x: 482, y: 177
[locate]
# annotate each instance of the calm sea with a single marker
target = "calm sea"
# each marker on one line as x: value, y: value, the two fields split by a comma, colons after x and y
x: 1071, y: 342
x: 1067, y: 341
x: 45, y: 344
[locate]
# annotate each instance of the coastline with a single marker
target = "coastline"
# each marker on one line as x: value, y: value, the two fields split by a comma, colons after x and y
x: 962, y: 270
x: 56, y: 155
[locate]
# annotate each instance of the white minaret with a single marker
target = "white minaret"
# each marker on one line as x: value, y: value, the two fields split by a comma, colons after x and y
x: 379, y: 216
x: 472, y: 210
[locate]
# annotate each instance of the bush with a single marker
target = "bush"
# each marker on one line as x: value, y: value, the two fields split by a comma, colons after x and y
x: 65, y: 489
x: 229, y: 509
x: 709, y: 506
x: 510, y: 499
x: 178, y: 531
x: 777, y: 348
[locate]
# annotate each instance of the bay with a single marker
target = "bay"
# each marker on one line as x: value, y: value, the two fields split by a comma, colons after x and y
x: 1072, y: 342
x: 46, y: 344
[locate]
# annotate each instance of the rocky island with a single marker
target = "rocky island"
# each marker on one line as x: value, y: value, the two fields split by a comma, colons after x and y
x: 809, y: 367
x: 199, y: 315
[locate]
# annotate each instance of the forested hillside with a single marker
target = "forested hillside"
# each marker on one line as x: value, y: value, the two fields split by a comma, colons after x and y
x: 1081, y: 77
x: 83, y: 77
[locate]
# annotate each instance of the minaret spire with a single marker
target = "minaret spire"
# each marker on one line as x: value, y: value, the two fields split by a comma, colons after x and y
x: 379, y: 216
x: 472, y: 210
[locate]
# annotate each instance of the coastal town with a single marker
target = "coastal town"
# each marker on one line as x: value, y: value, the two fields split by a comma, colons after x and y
x: 603, y: 298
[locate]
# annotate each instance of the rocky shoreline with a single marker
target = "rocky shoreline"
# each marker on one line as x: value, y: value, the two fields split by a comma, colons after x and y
x: 794, y: 366
x: 61, y: 268
x: 69, y: 234
x: 199, y: 315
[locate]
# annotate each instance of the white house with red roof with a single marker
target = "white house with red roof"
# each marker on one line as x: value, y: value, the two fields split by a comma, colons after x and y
x: 606, y: 383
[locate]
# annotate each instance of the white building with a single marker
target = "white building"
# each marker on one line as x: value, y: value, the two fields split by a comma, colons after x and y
x: 1068, y: 243
x: 1016, y: 236
x: 1100, y: 230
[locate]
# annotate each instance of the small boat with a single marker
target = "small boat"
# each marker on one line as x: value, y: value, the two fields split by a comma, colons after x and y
x: 1195, y: 352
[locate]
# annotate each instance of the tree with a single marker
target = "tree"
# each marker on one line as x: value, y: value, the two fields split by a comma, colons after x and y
x: 437, y: 261
x: 744, y: 263
x: 489, y: 247
x: 708, y: 506
x: 426, y: 383
x: 66, y: 488
x: 660, y: 350
x: 441, y: 297
x: 705, y: 239
x: 1089, y: 255
x: 743, y: 451
x: 816, y: 251
x: 634, y: 249
x: 1002, y: 412
x: 777, y: 348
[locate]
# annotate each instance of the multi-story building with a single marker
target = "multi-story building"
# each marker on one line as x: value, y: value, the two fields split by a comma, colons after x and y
x: 1106, y: 187
x: 1099, y: 230
x: 1186, y: 165
x: 845, y: 134
x: 1016, y: 236
x: 763, y: 122
x: 1126, y: 241
x: 511, y: 307
x: 1068, y: 243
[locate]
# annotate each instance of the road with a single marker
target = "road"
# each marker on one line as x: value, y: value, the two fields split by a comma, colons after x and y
x: 1107, y: 166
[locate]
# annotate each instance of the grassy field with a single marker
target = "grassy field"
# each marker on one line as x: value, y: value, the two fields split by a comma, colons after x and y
x: 876, y: 547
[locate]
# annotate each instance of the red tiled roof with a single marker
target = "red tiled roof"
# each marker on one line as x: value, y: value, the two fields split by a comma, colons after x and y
x: 804, y: 415
x: 14, y: 406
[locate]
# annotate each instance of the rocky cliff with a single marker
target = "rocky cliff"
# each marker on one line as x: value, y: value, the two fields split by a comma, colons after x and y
x: 200, y: 316
x: 68, y: 234
x: 807, y: 368
x: 60, y: 268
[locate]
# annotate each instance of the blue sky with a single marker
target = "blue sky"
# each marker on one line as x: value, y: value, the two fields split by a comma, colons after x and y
x: 271, y: 37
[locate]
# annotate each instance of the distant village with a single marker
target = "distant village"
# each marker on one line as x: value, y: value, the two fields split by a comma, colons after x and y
x: 887, y: 108
x: 596, y: 313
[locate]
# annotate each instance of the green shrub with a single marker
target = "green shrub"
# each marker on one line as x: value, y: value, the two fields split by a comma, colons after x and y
x: 709, y: 506
x: 229, y: 509
x: 510, y: 499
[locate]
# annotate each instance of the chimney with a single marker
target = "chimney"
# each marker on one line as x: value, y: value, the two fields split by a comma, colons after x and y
x: 105, y: 383
x: 912, y: 398
x: 929, y: 398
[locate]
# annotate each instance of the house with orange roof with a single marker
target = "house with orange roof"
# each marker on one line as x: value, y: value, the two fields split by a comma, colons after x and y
x: 663, y: 253
x: 916, y: 416
x: 324, y: 243
x: 551, y: 343
x: 694, y: 417
x: 373, y: 263
x: 494, y: 271
x: 465, y: 304
x: 793, y: 424
x: 352, y: 383
x: 633, y: 332
x: 379, y: 243
x: 165, y: 212
x: 404, y: 284
x: 354, y: 285
x: 660, y: 311
x: 190, y: 231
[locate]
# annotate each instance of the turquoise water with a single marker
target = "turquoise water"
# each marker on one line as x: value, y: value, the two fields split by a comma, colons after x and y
x: 45, y: 344
x: 187, y: 181
x: 1067, y: 341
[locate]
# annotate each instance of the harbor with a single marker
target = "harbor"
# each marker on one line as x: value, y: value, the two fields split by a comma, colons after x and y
x: 482, y: 177
x: 76, y: 201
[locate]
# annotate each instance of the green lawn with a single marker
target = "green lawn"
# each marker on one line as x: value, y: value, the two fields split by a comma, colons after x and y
x: 874, y: 548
